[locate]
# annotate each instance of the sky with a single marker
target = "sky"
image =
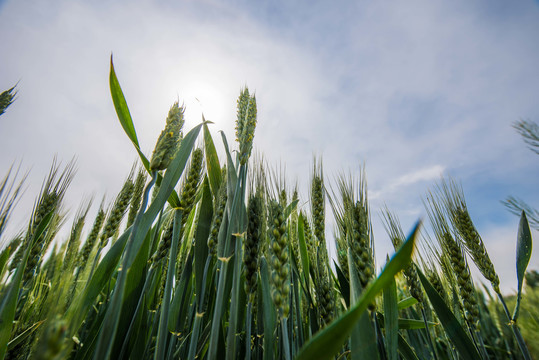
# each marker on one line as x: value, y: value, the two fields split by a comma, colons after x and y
x: 412, y: 90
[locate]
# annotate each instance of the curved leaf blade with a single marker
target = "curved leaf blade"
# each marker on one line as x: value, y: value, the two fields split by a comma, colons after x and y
x: 120, y: 104
x: 391, y: 320
x: 524, y: 252
x: 453, y: 329
x: 124, y: 116
x: 327, y: 342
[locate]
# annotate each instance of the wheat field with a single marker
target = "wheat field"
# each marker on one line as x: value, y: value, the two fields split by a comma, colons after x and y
x: 201, y: 257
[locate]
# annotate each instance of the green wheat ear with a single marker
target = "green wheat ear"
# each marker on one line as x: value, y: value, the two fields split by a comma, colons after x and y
x: 6, y: 99
x: 246, y: 124
x: 460, y: 217
x: 252, y: 242
x: 394, y: 229
x: 168, y: 141
x: 279, y: 261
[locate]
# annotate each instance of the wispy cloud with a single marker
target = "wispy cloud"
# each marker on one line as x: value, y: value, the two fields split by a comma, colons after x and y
x: 425, y: 176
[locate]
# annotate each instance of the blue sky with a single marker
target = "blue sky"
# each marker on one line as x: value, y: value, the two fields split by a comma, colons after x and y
x: 413, y: 90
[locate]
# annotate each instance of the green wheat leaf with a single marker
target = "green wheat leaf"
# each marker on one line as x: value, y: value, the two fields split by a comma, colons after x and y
x: 524, y: 252
x: 453, y: 328
x: 212, y: 161
x: 327, y: 342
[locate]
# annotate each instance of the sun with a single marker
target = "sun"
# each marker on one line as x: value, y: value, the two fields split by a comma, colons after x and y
x: 205, y: 98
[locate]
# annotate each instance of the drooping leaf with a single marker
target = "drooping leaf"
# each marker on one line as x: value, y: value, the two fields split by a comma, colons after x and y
x: 124, y: 116
x: 122, y: 110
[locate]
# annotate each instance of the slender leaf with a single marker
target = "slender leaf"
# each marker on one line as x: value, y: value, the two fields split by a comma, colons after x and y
x: 524, y: 252
x: 212, y: 162
x: 406, y: 324
x: 176, y: 314
x: 84, y: 301
x: 405, y: 350
x: 268, y: 309
x: 133, y: 294
x: 453, y: 328
x: 172, y: 175
x: 327, y: 342
x: 363, y: 337
x: 406, y: 303
x: 122, y: 110
x: 4, y: 257
x: 391, y: 320
x: 24, y: 335
x: 162, y: 334
x: 303, y: 249
x: 344, y: 285
x: 290, y: 208
x: 201, y: 244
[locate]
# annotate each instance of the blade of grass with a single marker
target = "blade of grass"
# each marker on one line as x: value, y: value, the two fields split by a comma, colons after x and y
x: 171, y: 178
x: 407, y: 324
x: 122, y: 110
x: 201, y: 244
x: 391, y: 320
x: 212, y: 161
x: 226, y: 247
x: 327, y: 342
x: 303, y: 249
x: 268, y: 309
x: 343, y: 284
x: 452, y: 327
x: 162, y: 332
x: 107, y: 334
x: 406, y: 303
x: 405, y: 350
x: 24, y: 335
x: 4, y: 256
x: 177, y: 314
x: 362, y: 338
x: 524, y: 252
x: 133, y: 294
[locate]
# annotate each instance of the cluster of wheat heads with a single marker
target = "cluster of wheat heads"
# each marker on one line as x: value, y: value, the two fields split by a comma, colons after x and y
x: 198, y: 258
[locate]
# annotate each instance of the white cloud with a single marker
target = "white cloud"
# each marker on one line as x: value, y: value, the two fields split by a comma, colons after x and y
x: 422, y: 175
